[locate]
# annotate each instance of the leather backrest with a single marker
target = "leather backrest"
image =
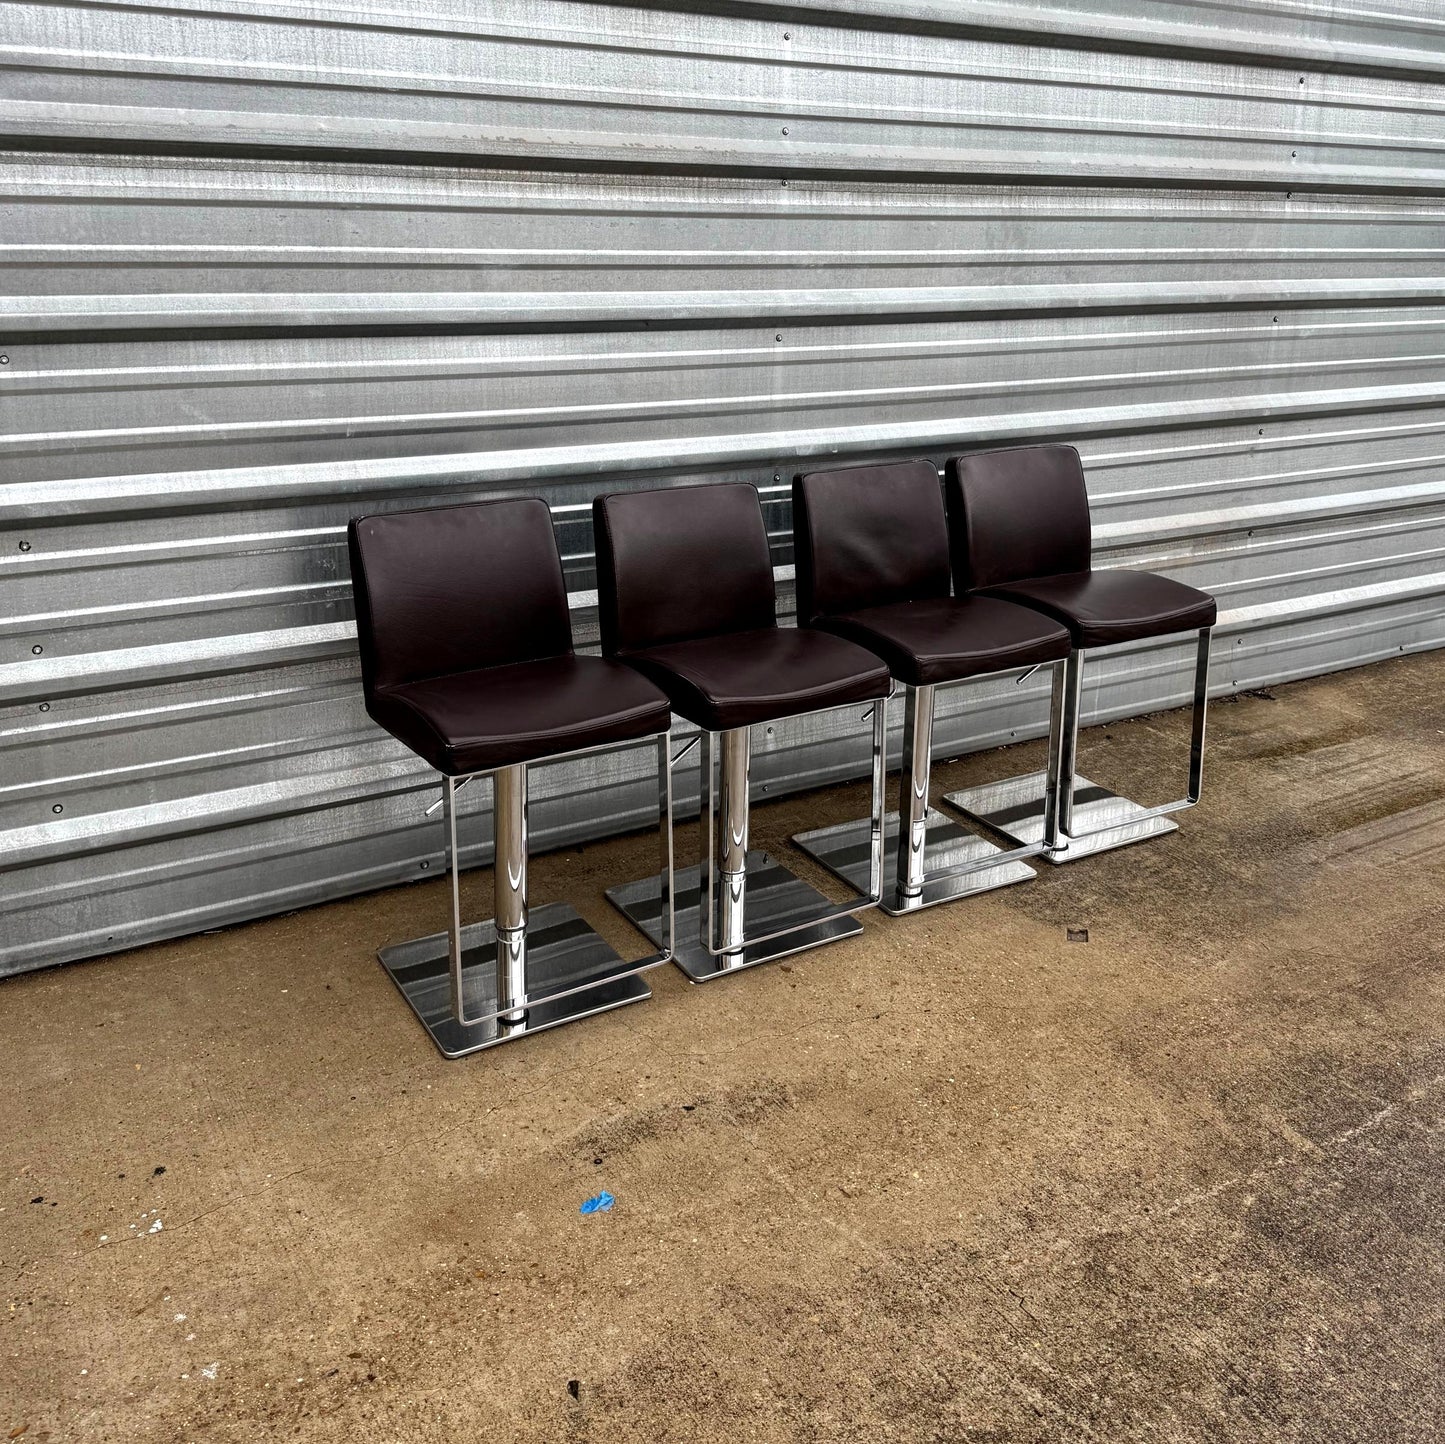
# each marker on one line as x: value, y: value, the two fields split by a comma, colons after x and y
x: 867, y: 536
x: 455, y: 588
x: 684, y: 562
x: 1017, y: 514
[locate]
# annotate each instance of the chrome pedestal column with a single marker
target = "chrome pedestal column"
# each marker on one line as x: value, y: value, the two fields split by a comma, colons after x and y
x: 525, y: 970
x: 934, y: 859
x: 509, y: 887
x: 731, y: 847
x: 745, y: 908
x: 1090, y: 818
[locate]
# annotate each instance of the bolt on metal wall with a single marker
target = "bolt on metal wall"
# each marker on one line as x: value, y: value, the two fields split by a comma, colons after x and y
x: 273, y: 265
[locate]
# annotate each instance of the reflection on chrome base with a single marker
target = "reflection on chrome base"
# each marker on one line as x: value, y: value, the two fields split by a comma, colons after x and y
x: 774, y: 899
x: 1015, y: 809
x: 571, y: 973
x: 843, y: 849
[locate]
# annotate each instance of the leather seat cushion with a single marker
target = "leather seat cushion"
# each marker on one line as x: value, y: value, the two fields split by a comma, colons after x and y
x: 948, y: 638
x: 497, y: 716
x: 1103, y: 607
x: 742, y: 678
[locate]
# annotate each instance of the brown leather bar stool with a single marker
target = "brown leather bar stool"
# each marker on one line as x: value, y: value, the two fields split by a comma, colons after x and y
x: 685, y: 595
x: 466, y: 658
x: 871, y: 548
x: 1019, y: 522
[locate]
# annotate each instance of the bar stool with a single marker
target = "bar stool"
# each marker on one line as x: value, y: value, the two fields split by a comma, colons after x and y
x: 871, y: 548
x: 685, y: 595
x: 466, y: 658
x: 1019, y: 525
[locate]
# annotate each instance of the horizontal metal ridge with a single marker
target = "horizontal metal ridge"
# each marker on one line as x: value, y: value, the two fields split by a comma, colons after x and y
x: 51, y: 677
x: 510, y: 198
x: 1383, y: 38
x: 94, y: 497
x: 1272, y: 31
x: 1337, y: 601
x: 1297, y: 511
x: 128, y: 826
x: 138, y: 127
x: 44, y: 316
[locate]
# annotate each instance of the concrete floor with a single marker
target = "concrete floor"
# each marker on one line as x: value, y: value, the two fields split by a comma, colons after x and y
x: 958, y: 1179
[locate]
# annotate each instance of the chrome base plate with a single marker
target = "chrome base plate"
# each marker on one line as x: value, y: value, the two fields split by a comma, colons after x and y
x: 843, y: 850
x: 1015, y: 808
x: 563, y: 954
x: 775, y: 898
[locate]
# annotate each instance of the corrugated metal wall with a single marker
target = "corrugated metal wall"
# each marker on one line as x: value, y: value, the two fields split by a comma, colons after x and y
x: 271, y: 263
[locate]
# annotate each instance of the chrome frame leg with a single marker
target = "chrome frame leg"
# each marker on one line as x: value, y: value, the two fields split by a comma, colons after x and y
x: 1054, y: 768
x: 707, y: 829
x: 666, y: 877
x: 1063, y: 758
x: 455, y: 949
x: 878, y: 802
x: 913, y: 782
x: 1073, y: 816
x: 1199, y: 720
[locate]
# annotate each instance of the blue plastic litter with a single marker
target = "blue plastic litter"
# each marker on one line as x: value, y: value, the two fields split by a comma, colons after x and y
x: 601, y: 1204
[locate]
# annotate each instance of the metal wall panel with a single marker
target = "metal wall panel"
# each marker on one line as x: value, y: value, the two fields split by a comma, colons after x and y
x: 615, y: 86
x: 270, y: 265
